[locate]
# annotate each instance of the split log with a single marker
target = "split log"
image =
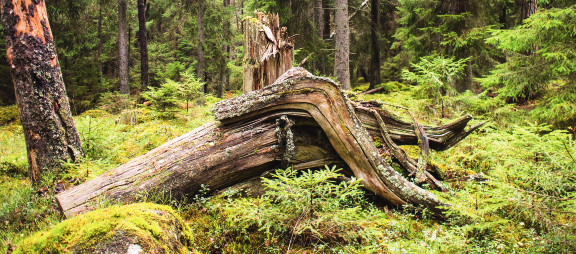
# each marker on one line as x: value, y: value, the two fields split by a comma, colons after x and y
x: 269, y: 52
x: 301, y: 121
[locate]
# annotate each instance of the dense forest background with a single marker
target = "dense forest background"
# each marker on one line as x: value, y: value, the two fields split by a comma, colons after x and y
x: 518, y: 49
x: 509, y: 63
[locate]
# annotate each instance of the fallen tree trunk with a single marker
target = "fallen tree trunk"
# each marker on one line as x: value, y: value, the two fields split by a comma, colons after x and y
x: 301, y: 121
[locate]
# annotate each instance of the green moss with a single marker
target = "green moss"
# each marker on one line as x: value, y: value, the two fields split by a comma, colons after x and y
x: 155, y: 228
x: 9, y: 114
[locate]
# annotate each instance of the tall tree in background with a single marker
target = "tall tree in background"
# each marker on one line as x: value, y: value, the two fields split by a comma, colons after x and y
x: 142, y: 37
x: 319, y: 24
x: 342, y: 56
x: 100, y: 42
x: 528, y: 8
x: 374, y: 34
x: 49, y: 130
x: 225, y: 49
x: 123, y: 47
x: 200, y: 66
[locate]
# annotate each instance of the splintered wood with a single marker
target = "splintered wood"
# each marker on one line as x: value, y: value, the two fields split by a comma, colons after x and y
x: 269, y: 51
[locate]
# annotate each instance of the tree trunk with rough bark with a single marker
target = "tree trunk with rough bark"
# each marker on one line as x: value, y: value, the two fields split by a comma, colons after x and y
x: 268, y: 50
x: 49, y: 130
x: 143, y: 39
x: 225, y: 49
x: 342, y: 54
x: 200, y: 66
x: 528, y: 8
x: 374, y: 32
x: 123, y: 48
x: 300, y: 121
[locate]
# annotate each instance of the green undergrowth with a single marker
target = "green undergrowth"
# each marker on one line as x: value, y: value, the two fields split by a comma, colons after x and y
x: 155, y: 228
x: 525, y: 204
x: 108, y: 140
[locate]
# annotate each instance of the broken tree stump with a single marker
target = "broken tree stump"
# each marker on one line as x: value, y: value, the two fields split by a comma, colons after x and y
x: 301, y: 121
x: 269, y: 52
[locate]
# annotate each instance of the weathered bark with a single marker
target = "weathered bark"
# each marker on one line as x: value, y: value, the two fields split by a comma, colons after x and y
x: 143, y: 39
x: 123, y: 48
x: 342, y: 54
x: 374, y: 32
x: 200, y: 66
x: 300, y: 121
x: 528, y: 7
x: 49, y: 130
x: 269, y: 52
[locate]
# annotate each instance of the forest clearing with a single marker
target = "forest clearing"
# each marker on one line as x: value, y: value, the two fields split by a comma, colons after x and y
x: 307, y: 126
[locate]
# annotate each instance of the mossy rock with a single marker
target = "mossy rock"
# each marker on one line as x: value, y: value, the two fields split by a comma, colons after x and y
x: 9, y: 115
x: 138, y: 228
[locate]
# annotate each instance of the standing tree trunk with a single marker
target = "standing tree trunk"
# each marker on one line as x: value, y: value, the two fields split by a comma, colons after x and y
x: 529, y: 7
x: 100, y: 43
x: 200, y: 66
x: 49, y: 130
x: 142, y: 37
x: 269, y: 52
x: 123, y: 47
x: 342, y: 56
x: 375, y: 58
x: 225, y: 50
x: 326, y: 29
x: 319, y: 24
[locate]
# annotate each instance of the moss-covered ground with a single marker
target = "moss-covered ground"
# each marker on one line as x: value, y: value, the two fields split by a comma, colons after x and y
x: 526, y: 204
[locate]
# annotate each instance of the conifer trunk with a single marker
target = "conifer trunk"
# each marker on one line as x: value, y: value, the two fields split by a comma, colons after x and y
x: 123, y: 47
x: 49, y: 130
x: 142, y: 37
x: 200, y: 66
x: 529, y: 7
x: 100, y: 42
x: 342, y: 54
x: 374, y: 32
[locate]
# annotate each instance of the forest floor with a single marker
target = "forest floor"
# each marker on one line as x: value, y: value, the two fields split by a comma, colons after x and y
x: 525, y: 205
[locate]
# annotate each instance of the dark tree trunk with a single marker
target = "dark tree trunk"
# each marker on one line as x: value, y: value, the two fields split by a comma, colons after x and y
x: 503, y: 19
x: 342, y: 54
x: 300, y: 121
x: 374, y: 32
x: 100, y: 74
x: 49, y: 130
x: 326, y: 29
x: 528, y: 8
x: 200, y: 66
x: 142, y: 37
x: 123, y: 48
x: 319, y: 24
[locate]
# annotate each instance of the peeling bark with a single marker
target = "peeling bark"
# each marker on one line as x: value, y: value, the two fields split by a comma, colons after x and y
x: 269, y: 52
x: 49, y: 130
x: 301, y: 121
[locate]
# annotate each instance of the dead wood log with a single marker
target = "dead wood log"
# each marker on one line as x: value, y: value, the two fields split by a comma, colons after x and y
x: 301, y: 121
x: 269, y: 51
